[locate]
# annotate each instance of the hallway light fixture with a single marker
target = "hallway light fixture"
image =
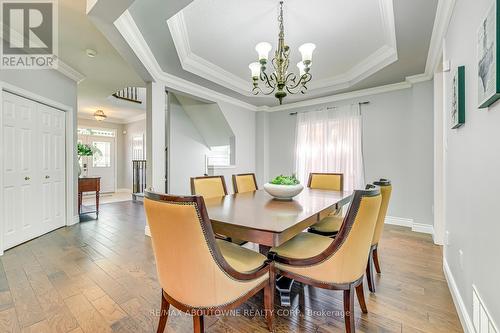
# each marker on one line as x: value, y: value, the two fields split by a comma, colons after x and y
x: 281, y: 82
x: 99, y: 115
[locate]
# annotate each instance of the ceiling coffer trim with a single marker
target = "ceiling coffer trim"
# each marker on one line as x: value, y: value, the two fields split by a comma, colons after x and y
x: 131, y: 33
x: 376, y: 61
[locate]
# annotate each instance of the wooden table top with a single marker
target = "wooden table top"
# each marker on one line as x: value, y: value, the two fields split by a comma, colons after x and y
x: 257, y: 217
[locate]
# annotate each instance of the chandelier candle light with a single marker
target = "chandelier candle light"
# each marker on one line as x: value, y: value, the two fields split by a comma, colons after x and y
x: 280, y: 82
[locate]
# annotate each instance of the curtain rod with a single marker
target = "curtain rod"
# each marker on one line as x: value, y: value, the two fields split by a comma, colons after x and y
x: 332, y: 107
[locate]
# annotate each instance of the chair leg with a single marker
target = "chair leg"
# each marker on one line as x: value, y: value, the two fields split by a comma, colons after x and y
x: 361, y: 298
x: 269, y: 298
x: 349, y: 310
x: 375, y: 260
x: 163, y: 314
x: 369, y: 273
x: 198, y: 324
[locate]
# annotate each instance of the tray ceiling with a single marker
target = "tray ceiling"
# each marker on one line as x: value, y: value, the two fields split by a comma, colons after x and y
x: 215, y: 39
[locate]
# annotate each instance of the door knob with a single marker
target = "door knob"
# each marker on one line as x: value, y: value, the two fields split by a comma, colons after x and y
x: 27, y: 178
x: 47, y: 177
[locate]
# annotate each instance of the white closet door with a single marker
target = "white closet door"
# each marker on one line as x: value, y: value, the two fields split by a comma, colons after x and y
x: 34, y: 172
x: 21, y: 174
x: 52, y: 164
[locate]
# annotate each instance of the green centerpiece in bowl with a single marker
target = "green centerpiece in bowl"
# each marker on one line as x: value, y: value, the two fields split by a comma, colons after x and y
x: 284, y: 187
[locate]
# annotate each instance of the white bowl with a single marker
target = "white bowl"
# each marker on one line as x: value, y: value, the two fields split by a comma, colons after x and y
x: 283, y: 192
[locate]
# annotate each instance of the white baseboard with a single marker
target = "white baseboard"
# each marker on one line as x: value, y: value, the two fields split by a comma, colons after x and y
x: 423, y: 228
x: 401, y: 221
x: 465, y: 319
x: 123, y: 190
x: 147, y: 232
x: 73, y: 221
x: 409, y: 223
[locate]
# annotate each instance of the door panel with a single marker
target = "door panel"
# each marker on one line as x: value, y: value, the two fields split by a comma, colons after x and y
x: 20, y: 171
x: 100, y: 166
x: 33, y: 169
x: 53, y: 166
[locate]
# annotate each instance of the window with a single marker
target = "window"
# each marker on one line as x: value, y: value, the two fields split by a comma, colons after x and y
x: 138, y: 148
x: 330, y: 141
x: 96, y: 132
x: 219, y: 156
x: 102, y: 159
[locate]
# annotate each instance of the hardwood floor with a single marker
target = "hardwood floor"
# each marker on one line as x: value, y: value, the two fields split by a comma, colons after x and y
x: 99, y: 276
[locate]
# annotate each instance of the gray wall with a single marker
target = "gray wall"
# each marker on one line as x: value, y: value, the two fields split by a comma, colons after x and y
x: 187, y: 149
x: 472, y: 172
x: 54, y: 86
x: 243, y: 125
x: 397, y: 144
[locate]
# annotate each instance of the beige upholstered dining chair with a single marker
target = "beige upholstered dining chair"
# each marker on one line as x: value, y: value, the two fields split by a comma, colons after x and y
x: 386, y: 190
x: 209, y: 186
x: 212, y: 187
x: 198, y: 273
x: 244, y: 182
x: 337, y: 264
x: 330, y: 225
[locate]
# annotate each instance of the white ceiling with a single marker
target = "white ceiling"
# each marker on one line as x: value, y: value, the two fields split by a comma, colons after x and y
x: 215, y: 39
x: 215, y: 42
x: 105, y: 74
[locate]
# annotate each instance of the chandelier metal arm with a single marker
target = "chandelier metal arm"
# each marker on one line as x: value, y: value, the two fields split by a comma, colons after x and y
x: 258, y: 90
x: 269, y: 82
x: 299, y: 86
x: 280, y: 82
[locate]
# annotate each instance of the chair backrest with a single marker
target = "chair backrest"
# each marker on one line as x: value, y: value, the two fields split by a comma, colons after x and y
x: 344, y: 261
x: 244, y: 182
x: 191, y: 268
x: 208, y: 186
x: 356, y: 234
x: 385, y: 190
x: 326, y: 181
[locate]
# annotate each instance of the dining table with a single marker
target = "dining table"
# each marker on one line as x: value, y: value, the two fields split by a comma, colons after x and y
x: 259, y: 218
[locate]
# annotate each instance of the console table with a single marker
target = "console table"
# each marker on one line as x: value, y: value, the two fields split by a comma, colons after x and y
x: 89, y: 184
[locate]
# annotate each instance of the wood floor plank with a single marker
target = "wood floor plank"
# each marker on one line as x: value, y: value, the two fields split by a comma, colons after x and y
x: 40, y: 327
x: 100, y: 276
x: 109, y: 309
x: 8, y: 321
x: 27, y: 307
x: 88, y: 317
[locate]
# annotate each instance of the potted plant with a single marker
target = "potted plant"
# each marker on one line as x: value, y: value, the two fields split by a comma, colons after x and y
x: 85, y: 150
x: 284, y: 187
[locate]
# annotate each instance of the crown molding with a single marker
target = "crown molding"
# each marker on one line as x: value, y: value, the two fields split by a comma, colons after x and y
x: 442, y: 20
x: 193, y: 63
x: 381, y: 58
x: 131, y: 33
x: 69, y: 71
x: 338, y: 97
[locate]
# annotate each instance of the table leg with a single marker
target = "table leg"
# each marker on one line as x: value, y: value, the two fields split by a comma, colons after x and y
x: 79, y: 203
x: 284, y: 286
x: 97, y: 204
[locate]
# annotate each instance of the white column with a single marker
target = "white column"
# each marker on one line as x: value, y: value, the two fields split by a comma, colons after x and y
x: 155, y: 138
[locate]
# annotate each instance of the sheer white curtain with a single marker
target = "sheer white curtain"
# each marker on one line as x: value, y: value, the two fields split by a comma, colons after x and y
x: 330, y: 141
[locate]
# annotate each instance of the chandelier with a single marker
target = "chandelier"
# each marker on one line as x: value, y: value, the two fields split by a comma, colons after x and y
x: 280, y: 82
x: 99, y: 115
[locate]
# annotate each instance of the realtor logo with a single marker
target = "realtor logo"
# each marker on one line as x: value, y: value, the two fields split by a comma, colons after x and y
x: 29, y: 34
